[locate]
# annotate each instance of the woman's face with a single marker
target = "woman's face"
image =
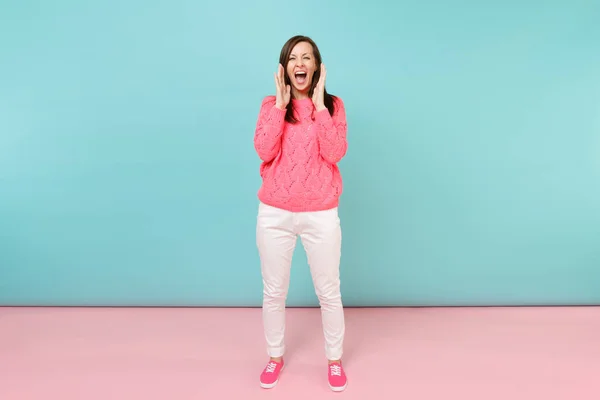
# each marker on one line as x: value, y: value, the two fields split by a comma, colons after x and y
x: 301, y: 67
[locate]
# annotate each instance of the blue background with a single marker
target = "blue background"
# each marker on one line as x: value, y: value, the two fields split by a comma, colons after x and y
x: 128, y: 174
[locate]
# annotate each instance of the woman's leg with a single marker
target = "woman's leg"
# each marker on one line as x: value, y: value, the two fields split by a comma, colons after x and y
x: 276, y: 241
x: 322, y: 239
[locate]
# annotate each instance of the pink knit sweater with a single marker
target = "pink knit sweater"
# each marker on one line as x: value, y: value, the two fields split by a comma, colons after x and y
x: 299, y: 170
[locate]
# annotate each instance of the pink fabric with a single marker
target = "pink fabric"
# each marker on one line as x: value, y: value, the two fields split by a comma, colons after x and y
x: 299, y: 168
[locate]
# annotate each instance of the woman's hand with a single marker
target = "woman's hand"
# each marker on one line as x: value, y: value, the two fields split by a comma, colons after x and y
x: 318, y: 96
x: 283, y: 91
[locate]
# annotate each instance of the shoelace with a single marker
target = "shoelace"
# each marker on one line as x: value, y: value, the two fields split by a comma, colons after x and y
x: 271, y: 367
x: 335, y: 370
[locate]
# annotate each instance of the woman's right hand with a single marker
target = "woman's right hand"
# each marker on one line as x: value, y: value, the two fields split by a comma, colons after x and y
x: 283, y: 91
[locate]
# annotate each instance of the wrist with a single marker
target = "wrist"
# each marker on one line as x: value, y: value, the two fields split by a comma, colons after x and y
x: 320, y: 108
x: 280, y: 107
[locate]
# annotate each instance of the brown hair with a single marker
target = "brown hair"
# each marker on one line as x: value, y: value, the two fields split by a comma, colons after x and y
x: 284, y: 59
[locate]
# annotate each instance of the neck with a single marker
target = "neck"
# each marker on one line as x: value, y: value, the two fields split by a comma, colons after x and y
x: 299, y: 95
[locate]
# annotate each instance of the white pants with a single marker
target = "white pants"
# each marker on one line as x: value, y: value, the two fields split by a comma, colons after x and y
x: 321, y: 235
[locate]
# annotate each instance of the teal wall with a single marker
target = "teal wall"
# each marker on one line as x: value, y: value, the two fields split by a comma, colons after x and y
x: 128, y: 174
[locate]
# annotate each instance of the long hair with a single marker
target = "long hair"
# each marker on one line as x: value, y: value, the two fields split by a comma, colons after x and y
x: 284, y: 60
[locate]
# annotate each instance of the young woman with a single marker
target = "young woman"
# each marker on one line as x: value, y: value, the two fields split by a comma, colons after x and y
x: 300, y: 136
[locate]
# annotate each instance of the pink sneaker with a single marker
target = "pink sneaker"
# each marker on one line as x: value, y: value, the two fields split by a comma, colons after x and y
x: 270, y: 375
x: 337, y: 377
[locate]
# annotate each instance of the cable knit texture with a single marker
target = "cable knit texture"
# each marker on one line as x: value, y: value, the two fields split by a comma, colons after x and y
x: 299, y: 168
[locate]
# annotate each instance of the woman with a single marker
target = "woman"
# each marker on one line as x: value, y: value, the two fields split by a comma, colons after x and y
x: 300, y: 136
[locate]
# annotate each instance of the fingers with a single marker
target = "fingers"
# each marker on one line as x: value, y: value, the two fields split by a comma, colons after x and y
x: 279, y: 80
x: 322, y: 77
x: 321, y: 82
x: 281, y: 75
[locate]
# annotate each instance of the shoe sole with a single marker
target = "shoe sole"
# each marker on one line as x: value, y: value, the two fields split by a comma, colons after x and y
x: 272, y: 385
x: 338, y: 388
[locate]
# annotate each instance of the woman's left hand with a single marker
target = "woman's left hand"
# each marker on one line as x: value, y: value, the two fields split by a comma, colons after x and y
x: 318, y: 96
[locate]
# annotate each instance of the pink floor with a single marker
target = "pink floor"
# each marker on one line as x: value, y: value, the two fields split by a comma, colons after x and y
x: 180, y: 354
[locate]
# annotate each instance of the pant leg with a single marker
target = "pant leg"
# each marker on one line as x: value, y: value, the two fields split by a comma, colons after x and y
x: 321, y: 236
x: 276, y: 240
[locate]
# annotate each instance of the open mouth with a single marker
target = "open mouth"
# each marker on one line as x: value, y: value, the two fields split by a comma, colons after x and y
x: 300, y: 77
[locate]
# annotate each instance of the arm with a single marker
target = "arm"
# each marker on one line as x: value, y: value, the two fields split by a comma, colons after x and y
x: 332, y: 131
x: 269, y: 128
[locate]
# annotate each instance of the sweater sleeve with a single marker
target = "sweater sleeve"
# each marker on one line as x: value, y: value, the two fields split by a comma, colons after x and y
x: 332, y: 132
x: 269, y: 129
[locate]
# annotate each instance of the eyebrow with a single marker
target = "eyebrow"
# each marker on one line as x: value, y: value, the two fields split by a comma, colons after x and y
x: 305, y: 54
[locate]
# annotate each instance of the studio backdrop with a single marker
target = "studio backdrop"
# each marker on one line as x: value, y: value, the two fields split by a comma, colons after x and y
x: 128, y: 174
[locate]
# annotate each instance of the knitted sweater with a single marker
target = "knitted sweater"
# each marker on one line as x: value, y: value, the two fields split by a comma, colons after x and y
x: 298, y: 170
